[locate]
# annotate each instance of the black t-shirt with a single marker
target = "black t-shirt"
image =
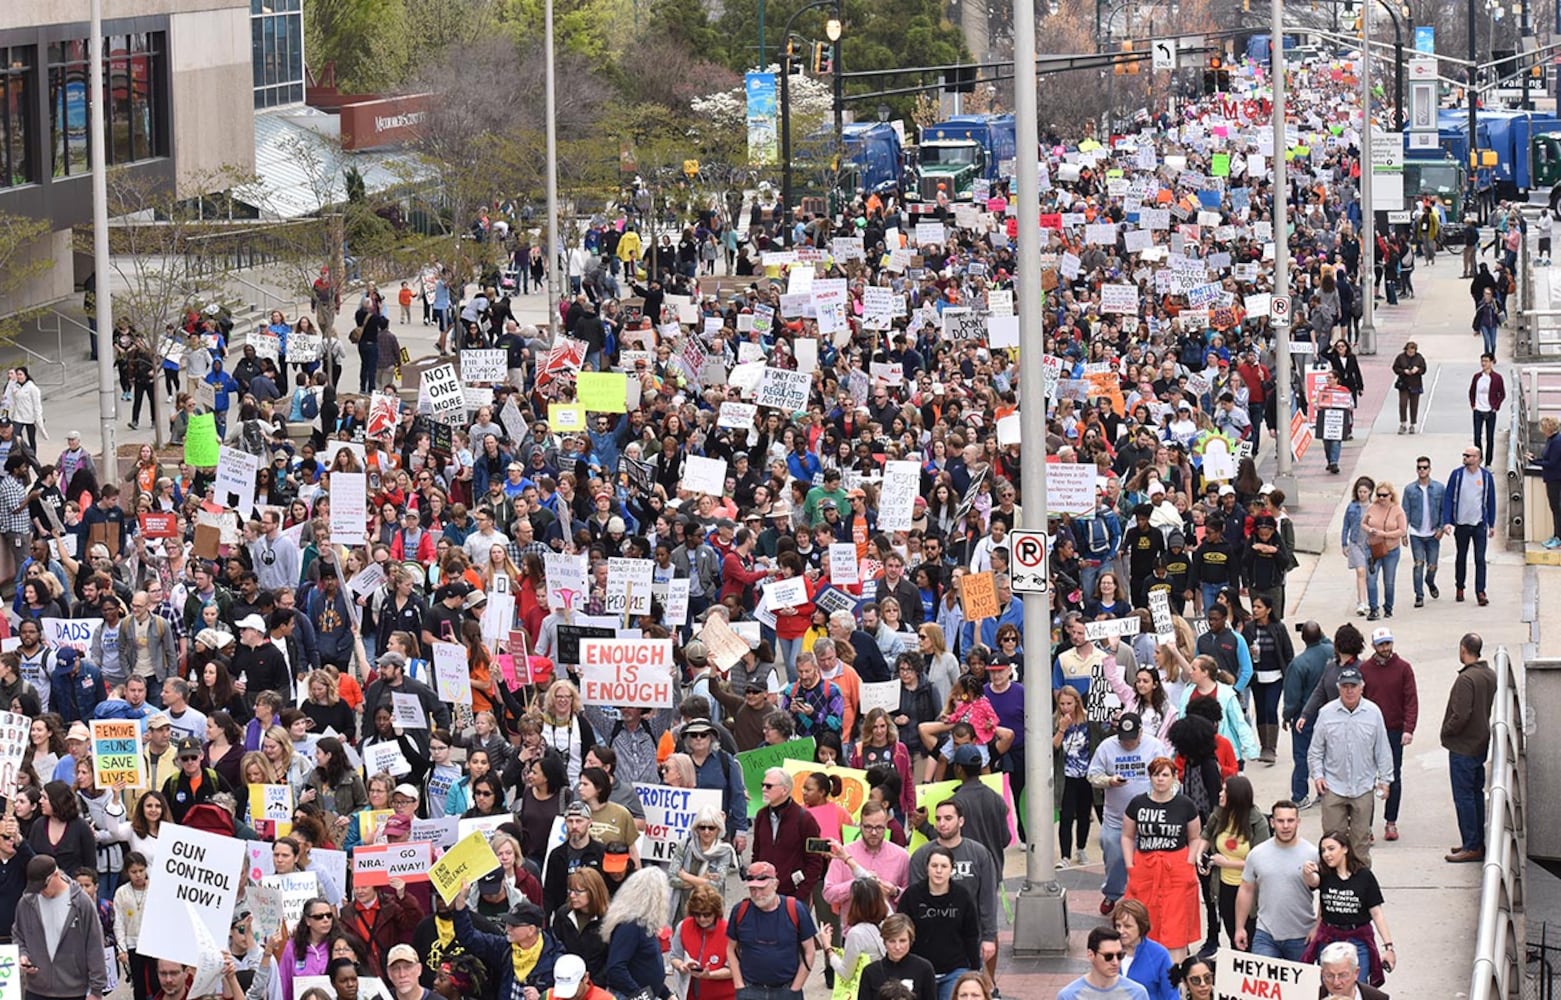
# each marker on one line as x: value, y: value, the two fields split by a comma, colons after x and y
x: 1347, y: 902
x: 1162, y: 826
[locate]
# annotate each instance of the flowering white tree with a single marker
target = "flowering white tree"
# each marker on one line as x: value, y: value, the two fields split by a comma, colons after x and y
x: 726, y: 112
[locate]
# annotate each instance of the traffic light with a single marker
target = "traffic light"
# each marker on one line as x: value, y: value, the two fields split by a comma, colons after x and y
x: 1216, y: 78
x: 1128, y: 66
x: 791, y: 56
x: 823, y: 58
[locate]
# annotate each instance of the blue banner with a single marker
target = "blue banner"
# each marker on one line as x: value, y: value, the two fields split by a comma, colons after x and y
x: 1425, y: 39
x: 763, y: 128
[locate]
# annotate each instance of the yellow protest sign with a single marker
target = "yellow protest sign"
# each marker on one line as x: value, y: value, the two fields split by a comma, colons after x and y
x: 853, y: 783
x: 464, y: 863
x: 603, y: 392
x: 271, y: 809
x: 200, y: 441
x: 116, y: 753
x: 566, y: 417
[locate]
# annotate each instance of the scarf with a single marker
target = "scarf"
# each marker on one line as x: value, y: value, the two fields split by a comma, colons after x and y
x: 525, y: 959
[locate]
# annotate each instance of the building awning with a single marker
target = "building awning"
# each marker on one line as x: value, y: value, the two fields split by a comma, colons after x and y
x: 299, y: 164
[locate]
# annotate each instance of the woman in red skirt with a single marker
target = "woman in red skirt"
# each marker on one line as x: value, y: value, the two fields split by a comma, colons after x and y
x: 1158, y: 828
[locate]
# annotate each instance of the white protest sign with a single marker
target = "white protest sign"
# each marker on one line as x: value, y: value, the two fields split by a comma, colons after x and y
x: 783, y: 390
x: 626, y: 672
x: 787, y: 593
x: 669, y: 815
x: 738, y: 416
x: 1244, y: 976
x: 195, y: 867
x: 566, y: 585
x: 1160, y: 612
x: 897, y: 498
x: 408, y: 711
x: 1002, y: 331
x: 673, y: 596
x: 704, y: 475
x: 236, y: 474
x: 963, y: 324
x: 880, y: 694
x: 1119, y: 298
x: 498, y: 615
x: 14, y: 731
x: 386, y: 757
x: 58, y: 633
x: 628, y: 586
x: 843, y: 567
x: 349, y: 507
x: 442, y: 386
x: 296, y: 889
x: 378, y: 864
x: 1070, y: 489
x: 451, y: 673
x: 1111, y: 626
x: 484, y: 366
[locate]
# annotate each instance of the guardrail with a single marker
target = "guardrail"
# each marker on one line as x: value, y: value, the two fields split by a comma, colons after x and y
x: 1499, y: 952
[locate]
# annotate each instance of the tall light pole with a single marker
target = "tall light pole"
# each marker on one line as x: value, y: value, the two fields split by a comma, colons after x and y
x: 832, y: 31
x: 1285, y: 476
x: 1041, y: 910
x: 555, y: 243
x: 103, y: 292
x: 1368, y: 220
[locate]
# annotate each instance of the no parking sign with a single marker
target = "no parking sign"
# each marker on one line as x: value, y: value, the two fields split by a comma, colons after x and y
x: 1028, y: 573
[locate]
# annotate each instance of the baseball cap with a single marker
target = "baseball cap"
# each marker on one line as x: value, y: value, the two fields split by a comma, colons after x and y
x: 577, y: 809
x: 615, y: 860
x: 189, y: 747
x: 159, y: 721
x: 398, y: 826
x: 252, y: 621
x: 525, y: 913
x: 568, y: 974
x: 39, y: 870
x: 760, y: 872
x: 696, y: 653
x: 491, y: 882
x: 1227, y: 490
x: 698, y: 726
x: 78, y: 731
x: 966, y: 754
x: 410, y: 791
x: 1129, y: 724
x: 1350, y: 675
x: 401, y: 953
x: 1383, y: 634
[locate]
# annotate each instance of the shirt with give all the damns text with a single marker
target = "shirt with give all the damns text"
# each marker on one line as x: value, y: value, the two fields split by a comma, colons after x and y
x: 1162, y: 826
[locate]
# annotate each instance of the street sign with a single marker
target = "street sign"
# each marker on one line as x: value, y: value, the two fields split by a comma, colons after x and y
x: 1028, y: 569
x: 1279, y: 308
x: 1164, y: 54
x: 1422, y: 69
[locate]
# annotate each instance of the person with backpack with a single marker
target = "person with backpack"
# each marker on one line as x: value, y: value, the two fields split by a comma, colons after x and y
x: 715, y: 768
x: 770, y: 944
x: 194, y: 783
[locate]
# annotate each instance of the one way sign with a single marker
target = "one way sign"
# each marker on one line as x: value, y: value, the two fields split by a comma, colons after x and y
x: 1165, y: 54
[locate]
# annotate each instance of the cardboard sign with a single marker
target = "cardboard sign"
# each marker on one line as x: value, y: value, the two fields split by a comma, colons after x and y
x: 1108, y: 627
x: 669, y: 816
x: 195, y: 867
x: 634, y: 672
x: 628, y: 586
x: 463, y: 864
x: 379, y: 863
x: 784, y: 390
x: 978, y: 596
x: 880, y: 694
x: 116, y: 753
x: 725, y: 646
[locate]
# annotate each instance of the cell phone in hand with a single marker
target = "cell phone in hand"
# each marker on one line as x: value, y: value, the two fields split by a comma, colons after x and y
x: 818, y: 845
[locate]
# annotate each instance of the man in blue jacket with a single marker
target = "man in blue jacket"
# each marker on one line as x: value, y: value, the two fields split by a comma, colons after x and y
x: 520, y: 967
x: 76, y: 687
x: 1469, y: 510
x: 1423, y: 501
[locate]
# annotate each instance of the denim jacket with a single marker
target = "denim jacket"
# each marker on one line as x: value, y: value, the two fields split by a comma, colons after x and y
x: 1414, y: 500
x: 1352, y: 518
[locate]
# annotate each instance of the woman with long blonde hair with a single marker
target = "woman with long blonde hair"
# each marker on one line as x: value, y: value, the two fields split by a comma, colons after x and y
x: 564, y: 729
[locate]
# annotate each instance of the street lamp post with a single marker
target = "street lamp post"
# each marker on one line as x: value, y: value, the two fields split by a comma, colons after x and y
x: 555, y: 243
x: 1368, y: 220
x: 103, y: 292
x: 832, y: 31
x: 1285, y: 478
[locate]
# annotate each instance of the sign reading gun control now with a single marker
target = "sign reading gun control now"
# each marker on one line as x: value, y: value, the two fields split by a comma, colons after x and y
x: 626, y: 672
x: 193, y: 867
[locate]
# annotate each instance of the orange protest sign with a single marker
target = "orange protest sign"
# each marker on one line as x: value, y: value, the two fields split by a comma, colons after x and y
x: 1109, y: 385
x: 978, y: 596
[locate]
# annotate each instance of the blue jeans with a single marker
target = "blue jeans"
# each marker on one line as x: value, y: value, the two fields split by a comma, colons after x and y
x: 1424, y: 551
x: 1332, y: 450
x: 947, y: 980
x: 1387, y: 566
x: 1396, y: 788
x: 1488, y: 334
x: 1463, y: 534
x: 1468, y: 776
x: 1268, y: 702
x: 1116, y: 866
x: 1210, y: 592
x: 1300, y: 774
x: 789, y: 648
x: 1090, y: 575
x: 1289, y: 948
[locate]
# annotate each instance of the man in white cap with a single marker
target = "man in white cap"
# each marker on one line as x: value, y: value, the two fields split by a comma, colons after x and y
x: 78, y: 747
x: 1390, y: 684
x: 402, y: 968
x: 257, y: 660
x: 159, y: 758
x: 571, y: 981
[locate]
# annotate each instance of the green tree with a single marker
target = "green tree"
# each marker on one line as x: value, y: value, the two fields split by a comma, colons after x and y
x: 21, y: 260
x: 366, y: 40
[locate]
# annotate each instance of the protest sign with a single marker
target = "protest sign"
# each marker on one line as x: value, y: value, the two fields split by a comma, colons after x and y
x: 626, y: 672
x: 196, y: 867
x: 349, y: 508
x: 377, y: 864
x: 783, y: 390
x: 200, y: 440
x: 628, y: 586
x: 897, y: 498
x: 452, y: 676
x: 786, y: 593
x: 738, y: 416
x: 498, y: 615
x: 1160, y: 612
x: 236, y: 474
x: 725, y: 646
x: 442, y: 832
x: 704, y: 475
x: 265, y: 908
x: 76, y: 633
x: 484, y: 366
x: 978, y: 595
x: 960, y: 323
x: 384, y: 414
x: 271, y: 809
x: 463, y: 864
x: 566, y: 583
x: 1107, y: 627
x: 673, y: 596
x: 446, y: 402
x: 386, y: 757
x: 1119, y: 298
x: 853, y: 782
x: 669, y: 815
x: 603, y: 392
x: 14, y: 732
x: 760, y: 759
x: 1070, y: 489
x: 296, y: 889
x: 1245, y: 976
x: 408, y: 711
x: 843, y: 568
x: 880, y: 694
x: 570, y: 637
x: 116, y: 753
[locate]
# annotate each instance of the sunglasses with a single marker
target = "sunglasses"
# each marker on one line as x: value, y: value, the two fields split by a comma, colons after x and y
x: 321, y: 916
x: 1201, y: 980
x: 1109, y: 956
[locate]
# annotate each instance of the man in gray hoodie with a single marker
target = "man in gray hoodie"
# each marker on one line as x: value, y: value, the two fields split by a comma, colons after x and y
x: 59, y: 936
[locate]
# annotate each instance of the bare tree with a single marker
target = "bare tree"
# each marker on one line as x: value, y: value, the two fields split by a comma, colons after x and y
x: 22, y: 258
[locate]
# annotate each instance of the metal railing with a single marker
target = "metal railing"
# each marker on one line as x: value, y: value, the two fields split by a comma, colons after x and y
x: 1519, y: 437
x: 1499, y: 952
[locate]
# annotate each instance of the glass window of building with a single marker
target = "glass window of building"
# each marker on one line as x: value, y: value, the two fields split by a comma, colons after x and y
x: 277, y: 38
x: 16, y: 117
x: 132, y: 77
